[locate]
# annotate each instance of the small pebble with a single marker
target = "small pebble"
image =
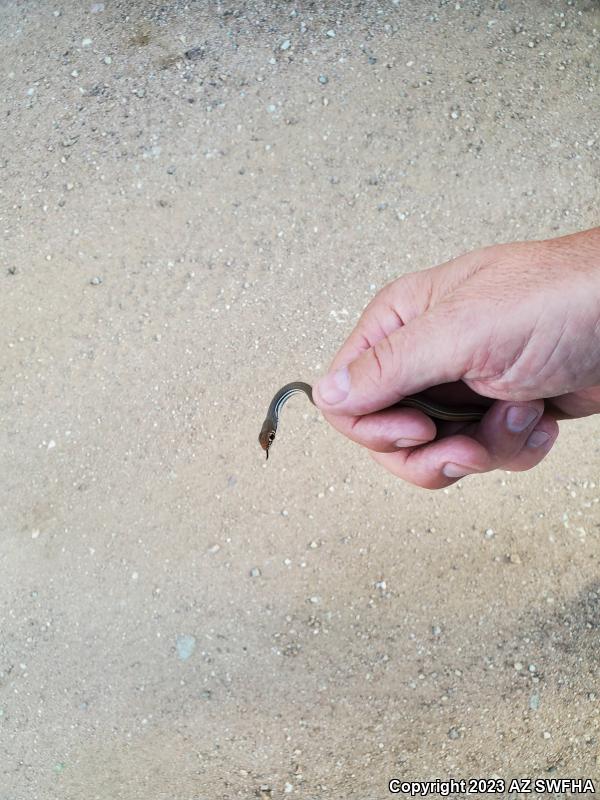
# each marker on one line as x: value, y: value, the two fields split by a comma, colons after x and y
x: 107, y: 60
x: 534, y: 702
x: 489, y: 534
x: 96, y: 8
x: 323, y: 80
x: 194, y: 53
x: 285, y: 45
x: 330, y: 33
x: 185, y: 644
x: 255, y: 572
x: 86, y: 42
x: 453, y: 733
x: 436, y: 630
x: 96, y: 281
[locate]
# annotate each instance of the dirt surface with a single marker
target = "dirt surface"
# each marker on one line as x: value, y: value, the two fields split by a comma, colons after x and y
x: 197, y: 200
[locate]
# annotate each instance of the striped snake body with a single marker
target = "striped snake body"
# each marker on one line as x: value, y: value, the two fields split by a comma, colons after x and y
x: 267, y: 433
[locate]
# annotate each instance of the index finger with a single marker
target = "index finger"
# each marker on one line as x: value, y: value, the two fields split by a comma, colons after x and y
x: 378, y: 320
x: 401, y: 301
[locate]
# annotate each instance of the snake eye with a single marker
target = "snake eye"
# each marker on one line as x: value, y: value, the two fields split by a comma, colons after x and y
x: 271, y: 438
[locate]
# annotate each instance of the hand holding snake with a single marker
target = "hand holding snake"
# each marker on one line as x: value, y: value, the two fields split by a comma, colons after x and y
x: 516, y: 327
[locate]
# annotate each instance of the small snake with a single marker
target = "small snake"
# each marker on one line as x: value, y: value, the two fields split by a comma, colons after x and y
x: 267, y: 433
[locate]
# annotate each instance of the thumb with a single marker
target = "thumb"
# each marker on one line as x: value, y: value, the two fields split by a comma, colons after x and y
x: 425, y: 352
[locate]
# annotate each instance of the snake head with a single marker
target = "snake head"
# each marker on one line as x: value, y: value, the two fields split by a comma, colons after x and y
x: 266, y: 438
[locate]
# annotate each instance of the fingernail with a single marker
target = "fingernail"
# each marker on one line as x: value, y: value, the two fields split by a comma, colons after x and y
x: 408, y: 443
x: 334, y: 387
x: 455, y: 470
x: 537, y: 439
x: 520, y: 417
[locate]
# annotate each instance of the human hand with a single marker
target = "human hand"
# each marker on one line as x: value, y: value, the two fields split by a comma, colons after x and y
x: 517, y: 323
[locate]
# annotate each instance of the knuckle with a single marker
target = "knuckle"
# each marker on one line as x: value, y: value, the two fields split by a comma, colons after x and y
x: 411, y: 294
x: 383, y: 359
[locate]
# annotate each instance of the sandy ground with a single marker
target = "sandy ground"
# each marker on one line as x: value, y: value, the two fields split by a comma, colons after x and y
x: 197, y: 200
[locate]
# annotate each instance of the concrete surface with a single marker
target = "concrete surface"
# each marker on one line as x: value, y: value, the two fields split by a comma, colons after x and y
x: 197, y: 200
